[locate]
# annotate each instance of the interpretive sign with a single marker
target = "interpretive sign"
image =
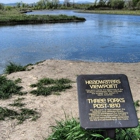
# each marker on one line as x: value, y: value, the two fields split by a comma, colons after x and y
x: 105, y: 101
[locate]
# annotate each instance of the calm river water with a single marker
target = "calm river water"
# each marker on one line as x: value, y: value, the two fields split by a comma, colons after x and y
x: 101, y: 38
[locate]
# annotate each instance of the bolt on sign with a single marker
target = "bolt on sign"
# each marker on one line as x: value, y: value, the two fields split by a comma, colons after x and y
x: 105, y: 101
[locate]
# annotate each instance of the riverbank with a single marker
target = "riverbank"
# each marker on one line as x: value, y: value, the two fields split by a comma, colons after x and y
x: 54, y: 107
x: 115, y: 12
x: 15, y: 17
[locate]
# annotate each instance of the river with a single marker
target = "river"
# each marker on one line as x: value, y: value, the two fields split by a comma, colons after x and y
x: 101, y: 38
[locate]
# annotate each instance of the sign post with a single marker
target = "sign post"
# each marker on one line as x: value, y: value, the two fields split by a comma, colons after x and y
x: 105, y: 102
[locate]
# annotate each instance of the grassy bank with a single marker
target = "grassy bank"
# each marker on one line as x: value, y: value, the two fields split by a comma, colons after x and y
x: 116, y: 12
x: 15, y: 17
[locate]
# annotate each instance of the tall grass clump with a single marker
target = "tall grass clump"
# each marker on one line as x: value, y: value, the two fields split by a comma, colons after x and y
x: 70, y: 129
x: 12, y: 67
x: 47, y: 86
x: 8, y: 88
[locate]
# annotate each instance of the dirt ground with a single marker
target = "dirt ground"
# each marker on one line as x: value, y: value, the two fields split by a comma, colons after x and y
x: 54, y: 107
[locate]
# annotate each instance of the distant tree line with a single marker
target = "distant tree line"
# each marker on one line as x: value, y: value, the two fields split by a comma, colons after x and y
x: 115, y: 4
x: 67, y: 4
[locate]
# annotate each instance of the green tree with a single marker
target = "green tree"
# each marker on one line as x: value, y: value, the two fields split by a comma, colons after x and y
x: 18, y: 5
x: 135, y: 2
x: 1, y: 6
x: 117, y: 4
x: 55, y: 3
x: 23, y: 5
x: 8, y: 8
x: 138, y: 5
x: 47, y: 4
x: 67, y: 3
x: 101, y: 3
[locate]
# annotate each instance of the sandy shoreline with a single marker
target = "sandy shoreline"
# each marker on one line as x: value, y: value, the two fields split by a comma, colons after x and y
x: 53, y: 107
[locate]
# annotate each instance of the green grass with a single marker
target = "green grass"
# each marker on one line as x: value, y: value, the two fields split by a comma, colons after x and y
x: 70, y: 129
x: 47, y: 86
x: 16, y: 18
x: 137, y: 103
x: 18, y: 80
x: 27, y: 114
x: 12, y: 67
x: 21, y: 115
x: 18, y: 103
x: 117, y: 12
x: 8, y: 88
x: 7, y: 113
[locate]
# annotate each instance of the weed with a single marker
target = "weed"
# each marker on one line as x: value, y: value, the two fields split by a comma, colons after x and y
x: 18, y: 80
x: 128, y: 133
x: 40, y: 62
x: 18, y: 103
x: 19, y: 99
x: 12, y: 67
x: 8, y: 87
x: 137, y: 103
x: 21, y: 116
x: 70, y: 129
x: 27, y: 114
x: 4, y: 113
x: 47, y: 86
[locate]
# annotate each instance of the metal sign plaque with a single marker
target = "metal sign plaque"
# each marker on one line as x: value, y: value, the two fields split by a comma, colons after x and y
x: 105, y: 101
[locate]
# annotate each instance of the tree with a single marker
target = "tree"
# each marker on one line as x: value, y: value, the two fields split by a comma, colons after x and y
x: 8, y: 8
x: 1, y: 6
x: 101, y: 3
x: 67, y: 3
x: 55, y: 3
x: 47, y: 4
x: 18, y: 5
x: 135, y: 2
x: 117, y: 4
x: 138, y: 5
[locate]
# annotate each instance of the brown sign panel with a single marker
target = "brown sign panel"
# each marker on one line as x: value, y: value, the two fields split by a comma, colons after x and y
x: 105, y: 101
